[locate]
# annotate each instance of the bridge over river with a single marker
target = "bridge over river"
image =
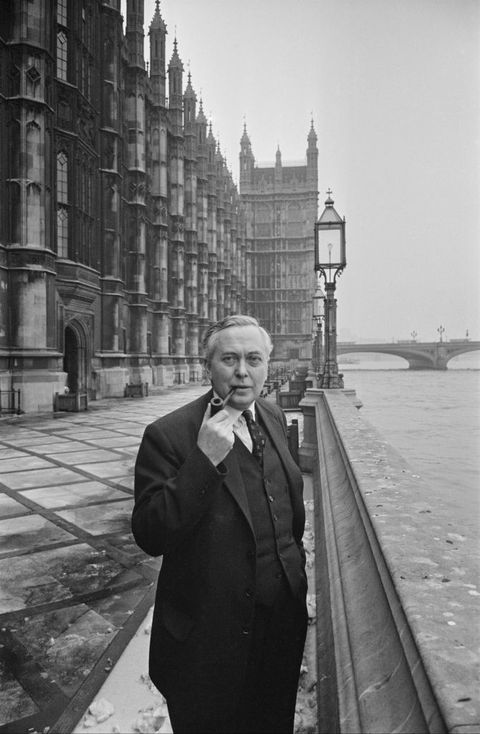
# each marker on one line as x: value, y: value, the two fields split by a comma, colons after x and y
x: 419, y: 355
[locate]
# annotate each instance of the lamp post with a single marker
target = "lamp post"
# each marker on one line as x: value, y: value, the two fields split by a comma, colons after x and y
x: 330, y: 260
x: 441, y: 331
x: 414, y: 335
x: 318, y: 315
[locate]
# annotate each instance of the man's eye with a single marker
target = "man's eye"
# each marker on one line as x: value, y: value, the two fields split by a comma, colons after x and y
x: 254, y: 360
x: 228, y: 359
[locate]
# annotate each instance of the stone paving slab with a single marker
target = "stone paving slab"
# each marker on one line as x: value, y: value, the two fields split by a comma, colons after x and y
x: 71, y: 494
x: 10, y: 507
x: 107, y: 469
x: 73, y: 584
x: 28, y: 532
x: 62, y: 446
x: 85, y: 456
x: 25, y: 461
x: 10, y: 453
x: 38, y: 477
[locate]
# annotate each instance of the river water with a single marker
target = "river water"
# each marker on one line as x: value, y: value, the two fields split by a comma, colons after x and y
x: 432, y: 418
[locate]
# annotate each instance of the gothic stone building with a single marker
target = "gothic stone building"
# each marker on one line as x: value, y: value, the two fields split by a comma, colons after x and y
x: 122, y: 233
x: 280, y: 212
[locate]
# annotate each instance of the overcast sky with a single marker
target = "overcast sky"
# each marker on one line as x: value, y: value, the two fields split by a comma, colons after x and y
x: 393, y: 88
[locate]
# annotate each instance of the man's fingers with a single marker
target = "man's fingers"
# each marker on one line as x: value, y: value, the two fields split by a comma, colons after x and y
x: 222, y: 416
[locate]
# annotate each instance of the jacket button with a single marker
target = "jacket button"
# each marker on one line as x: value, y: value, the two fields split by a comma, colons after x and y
x: 245, y: 631
x: 249, y: 593
x: 271, y: 498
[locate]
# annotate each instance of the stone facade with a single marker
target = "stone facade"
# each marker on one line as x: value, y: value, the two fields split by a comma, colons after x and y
x: 281, y: 209
x: 122, y: 233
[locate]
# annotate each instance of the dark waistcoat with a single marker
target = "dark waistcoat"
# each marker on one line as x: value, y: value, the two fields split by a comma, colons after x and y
x: 278, y: 557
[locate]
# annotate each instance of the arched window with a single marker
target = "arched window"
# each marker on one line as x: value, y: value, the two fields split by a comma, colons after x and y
x: 62, y: 204
x: 62, y: 54
x: 62, y: 177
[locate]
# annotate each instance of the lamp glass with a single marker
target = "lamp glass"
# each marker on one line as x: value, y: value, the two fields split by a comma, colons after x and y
x: 330, y: 248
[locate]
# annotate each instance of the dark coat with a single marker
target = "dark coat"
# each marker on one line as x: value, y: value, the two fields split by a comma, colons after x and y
x: 198, y: 519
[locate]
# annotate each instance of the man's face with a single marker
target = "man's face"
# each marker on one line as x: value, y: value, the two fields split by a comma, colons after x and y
x: 239, y: 360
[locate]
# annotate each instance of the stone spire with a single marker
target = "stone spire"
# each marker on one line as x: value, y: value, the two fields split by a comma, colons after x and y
x: 158, y: 33
x: 312, y: 157
x: 247, y: 161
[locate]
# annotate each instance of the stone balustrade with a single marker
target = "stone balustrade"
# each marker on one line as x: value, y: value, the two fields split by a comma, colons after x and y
x: 396, y: 585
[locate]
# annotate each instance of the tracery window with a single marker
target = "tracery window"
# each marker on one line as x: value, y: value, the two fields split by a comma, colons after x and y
x: 62, y: 232
x: 62, y: 204
x: 62, y: 177
x: 62, y: 54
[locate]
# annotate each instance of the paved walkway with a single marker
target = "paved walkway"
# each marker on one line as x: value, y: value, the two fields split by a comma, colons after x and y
x: 75, y: 591
x: 74, y: 586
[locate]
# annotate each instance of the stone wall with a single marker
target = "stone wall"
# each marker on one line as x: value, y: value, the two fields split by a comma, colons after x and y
x: 396, y: 585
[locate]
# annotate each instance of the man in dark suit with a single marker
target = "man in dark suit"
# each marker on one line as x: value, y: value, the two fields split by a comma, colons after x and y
x: 220, y: 498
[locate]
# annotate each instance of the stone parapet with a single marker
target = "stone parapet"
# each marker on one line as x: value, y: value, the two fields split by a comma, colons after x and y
x: 396, y: 585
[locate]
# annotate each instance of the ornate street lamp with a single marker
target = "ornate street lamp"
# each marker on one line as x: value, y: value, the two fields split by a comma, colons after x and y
x: 330, y: 260
x: 318, y: 315
x: 441, y: 331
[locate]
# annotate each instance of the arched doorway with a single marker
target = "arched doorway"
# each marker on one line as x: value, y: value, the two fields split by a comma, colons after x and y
x: 75, y: 358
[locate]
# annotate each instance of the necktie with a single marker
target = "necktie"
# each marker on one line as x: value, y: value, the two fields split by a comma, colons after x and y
x: 258, y: 439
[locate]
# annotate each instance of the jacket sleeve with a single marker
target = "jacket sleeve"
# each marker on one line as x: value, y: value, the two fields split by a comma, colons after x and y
x: 175, y: 485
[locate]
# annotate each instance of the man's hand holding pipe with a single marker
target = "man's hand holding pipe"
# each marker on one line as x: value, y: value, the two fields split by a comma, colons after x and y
x: 216, y: 437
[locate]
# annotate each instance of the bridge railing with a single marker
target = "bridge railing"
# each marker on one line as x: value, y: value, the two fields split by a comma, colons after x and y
x: 395, y: 638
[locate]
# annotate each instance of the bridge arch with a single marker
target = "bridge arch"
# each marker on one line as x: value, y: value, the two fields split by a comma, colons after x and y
x: 397, y: 361
x: 420, y: 355
x: 454, y: 359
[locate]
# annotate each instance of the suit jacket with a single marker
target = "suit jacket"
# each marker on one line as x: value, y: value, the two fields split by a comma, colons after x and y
x: 197, y: 517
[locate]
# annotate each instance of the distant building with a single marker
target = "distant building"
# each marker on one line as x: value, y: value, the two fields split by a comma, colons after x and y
x: 280, y: 211
x: 122, y: 233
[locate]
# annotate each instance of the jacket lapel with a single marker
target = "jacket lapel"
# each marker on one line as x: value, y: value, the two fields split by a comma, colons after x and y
x: 234, y: 483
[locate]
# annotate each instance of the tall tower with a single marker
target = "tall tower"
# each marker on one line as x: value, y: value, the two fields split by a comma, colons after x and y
x: 135, y: 245
x: 157, y: 33
x: 202, y: 220
x: 191, y: 241
x: 158, y: 160
x: 28, y: 259
x: 247, y: 161
x: 280, y: 203
x: 176, y: 197
x: 111, y: 341
x: 312, y: 157
x: 219, y: 170
x: 212, y: 226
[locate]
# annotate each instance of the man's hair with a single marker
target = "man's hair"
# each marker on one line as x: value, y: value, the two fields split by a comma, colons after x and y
x: 239, y: 319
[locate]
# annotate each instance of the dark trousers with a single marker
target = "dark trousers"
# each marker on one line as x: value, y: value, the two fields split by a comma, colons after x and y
x: 267, y: 700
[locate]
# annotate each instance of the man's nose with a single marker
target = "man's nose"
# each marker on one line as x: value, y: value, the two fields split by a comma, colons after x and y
x: 242, y: 367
